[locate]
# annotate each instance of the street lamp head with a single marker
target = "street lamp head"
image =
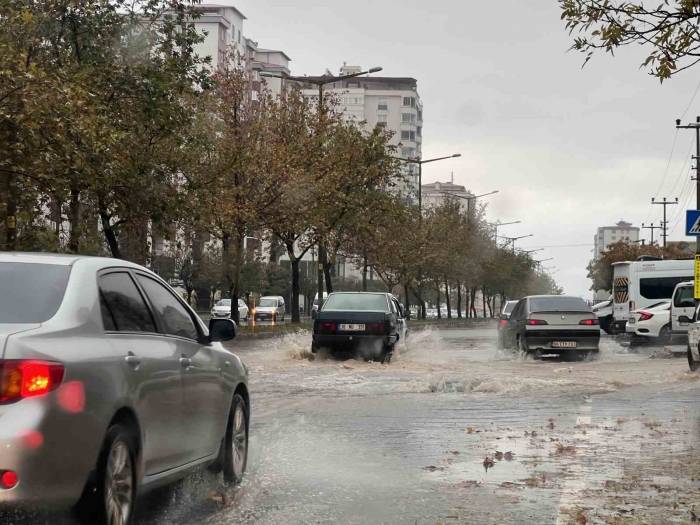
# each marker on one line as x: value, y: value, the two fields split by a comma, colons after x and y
x: 678, y: 122
x: 676, y: 199
x: 375, y: 70
x: 456, y: 155
x: 653, y: 199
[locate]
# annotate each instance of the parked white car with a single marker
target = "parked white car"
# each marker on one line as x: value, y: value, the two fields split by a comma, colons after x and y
x: 604, y: 312
x: 653, y: 321
x: 222, y: 309
x: 693, y: 339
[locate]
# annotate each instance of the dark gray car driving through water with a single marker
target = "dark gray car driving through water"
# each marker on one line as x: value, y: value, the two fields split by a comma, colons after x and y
x: 552, y: 324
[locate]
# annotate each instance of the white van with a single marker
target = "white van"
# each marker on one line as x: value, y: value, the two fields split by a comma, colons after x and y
x: 639, y: 284
x: 683, y: 303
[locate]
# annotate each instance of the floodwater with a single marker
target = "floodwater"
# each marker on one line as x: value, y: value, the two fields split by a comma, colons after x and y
x: 456, y: 431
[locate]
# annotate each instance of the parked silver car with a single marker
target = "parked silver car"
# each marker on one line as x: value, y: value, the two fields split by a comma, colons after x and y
x: 109, y: 385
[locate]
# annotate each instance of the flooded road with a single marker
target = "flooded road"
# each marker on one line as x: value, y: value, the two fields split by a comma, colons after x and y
x: 612, y: 440
x: 455, y: 431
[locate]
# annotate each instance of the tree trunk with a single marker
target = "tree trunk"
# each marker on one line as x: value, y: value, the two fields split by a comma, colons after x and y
x: 483, y: 300
x: 364, y: 275
x: 110, y: 234
x: 10, y: 214
x: 295, y: 291
x: 407, y: 301
x: 240, y: 242
x: 75, y: 212
x: 327, y: 266
x: 459, y: 300
x: 294, y: 263
x: 447, y: 299
x: 439, y: 310
x: 473, y: 301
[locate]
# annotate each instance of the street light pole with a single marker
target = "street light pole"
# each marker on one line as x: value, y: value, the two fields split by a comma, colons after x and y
x: 498, y: 224
x: 420, y: 163
x: 513, y: 239
x: 320, y: 82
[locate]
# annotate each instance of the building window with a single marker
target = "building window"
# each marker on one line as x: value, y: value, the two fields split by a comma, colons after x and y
x: 408, y: 152
x: 408, y: 135
x: 382, y: 118
x: 409, y: 102
x: 408, y: 118
x: 382, y: 105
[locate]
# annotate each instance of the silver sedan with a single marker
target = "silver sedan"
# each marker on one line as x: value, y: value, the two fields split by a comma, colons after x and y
x: 109, y: 385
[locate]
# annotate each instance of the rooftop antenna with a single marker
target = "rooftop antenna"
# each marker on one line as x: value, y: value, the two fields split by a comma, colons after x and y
x: 452, y: 177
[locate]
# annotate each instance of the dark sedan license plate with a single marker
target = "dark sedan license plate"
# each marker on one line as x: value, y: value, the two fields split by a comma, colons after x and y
x: 352, y: 327
x: 564, y: 344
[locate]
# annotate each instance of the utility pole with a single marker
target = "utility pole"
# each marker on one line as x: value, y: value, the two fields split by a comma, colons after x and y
x: 652, y: 228
x: 664, y: 225
x: 696, y: 127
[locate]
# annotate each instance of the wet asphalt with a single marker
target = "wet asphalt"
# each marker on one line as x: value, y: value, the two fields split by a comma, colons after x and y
x: 456, y: 431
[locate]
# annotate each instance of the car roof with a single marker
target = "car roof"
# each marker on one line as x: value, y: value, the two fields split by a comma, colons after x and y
x: 65, y: 259
x: 551, y: 296
x: 363, y: 293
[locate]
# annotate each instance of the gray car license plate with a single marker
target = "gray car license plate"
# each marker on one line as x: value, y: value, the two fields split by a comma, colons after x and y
x: 563, y: 344
x: 352, y: 327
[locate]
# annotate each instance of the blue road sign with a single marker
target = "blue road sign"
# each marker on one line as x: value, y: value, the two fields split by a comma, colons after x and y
x: 692, y: 223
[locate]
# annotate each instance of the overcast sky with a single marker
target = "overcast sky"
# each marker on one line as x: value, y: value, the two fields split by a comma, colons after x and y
x: 570, y: 149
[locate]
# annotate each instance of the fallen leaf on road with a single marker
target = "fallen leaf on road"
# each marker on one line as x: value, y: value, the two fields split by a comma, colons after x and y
x: 488, y: 463
x: 433, y: 468
x: 499, y: 455
x: 470, y: 430
x: 508, y: 456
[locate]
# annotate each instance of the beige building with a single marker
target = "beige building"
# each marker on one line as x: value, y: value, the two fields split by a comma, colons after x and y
x: 391, y: 102
x: 436, y: 193
x: 607, y: 235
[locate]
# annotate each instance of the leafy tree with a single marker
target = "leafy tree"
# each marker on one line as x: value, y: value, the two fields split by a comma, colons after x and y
x: 668, y: 29
x: 600, y: 270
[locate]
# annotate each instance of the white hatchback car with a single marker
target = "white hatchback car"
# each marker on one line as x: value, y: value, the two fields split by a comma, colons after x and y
x: 653, y: 321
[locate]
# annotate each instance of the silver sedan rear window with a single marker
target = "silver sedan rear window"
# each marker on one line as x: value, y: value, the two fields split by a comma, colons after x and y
x: 31, y: 293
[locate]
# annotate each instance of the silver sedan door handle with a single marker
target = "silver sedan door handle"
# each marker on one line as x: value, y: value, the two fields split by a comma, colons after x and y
x: 132, y: 359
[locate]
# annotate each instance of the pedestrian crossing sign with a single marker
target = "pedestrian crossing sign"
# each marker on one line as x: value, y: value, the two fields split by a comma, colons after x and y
x: 692, y: 223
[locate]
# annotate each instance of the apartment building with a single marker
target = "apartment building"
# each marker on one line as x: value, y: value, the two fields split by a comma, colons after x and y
x: 390, y: 102
x: 607, y: 235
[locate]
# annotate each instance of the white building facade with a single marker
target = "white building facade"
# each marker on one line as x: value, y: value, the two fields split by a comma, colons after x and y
x: 607, y: 235
x: 390, y: 102
x: 436, y: 193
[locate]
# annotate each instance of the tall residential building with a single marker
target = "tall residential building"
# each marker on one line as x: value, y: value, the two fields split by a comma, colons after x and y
x: 271, y: 61
x: 222, y: 26
x: 435, y: 193
x: 390, y: 102
x: 607, y: 235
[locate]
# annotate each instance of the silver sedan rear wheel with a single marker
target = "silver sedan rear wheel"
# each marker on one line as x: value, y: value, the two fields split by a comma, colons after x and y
x: 119, y: 484
x: 236, y: 451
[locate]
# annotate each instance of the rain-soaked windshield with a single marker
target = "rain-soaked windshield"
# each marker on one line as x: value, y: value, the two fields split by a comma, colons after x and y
x: 353, y: 302
x: 267, y: 302
x: 224, y: 302
x: 558, y: 304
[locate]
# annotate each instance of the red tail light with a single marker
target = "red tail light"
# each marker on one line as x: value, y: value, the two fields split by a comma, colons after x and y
x: 536, y: 322
x: 327, y: 327
x: 374, y: 328
x: 8, y: 479
x: 25, y: 378
x: 589, y: 322
x: 645, y: 316
x: 503, y: 322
